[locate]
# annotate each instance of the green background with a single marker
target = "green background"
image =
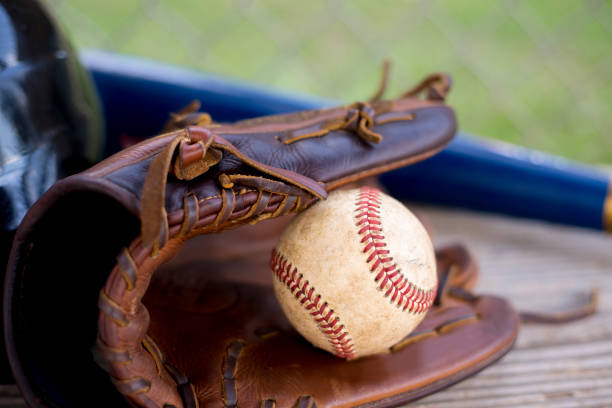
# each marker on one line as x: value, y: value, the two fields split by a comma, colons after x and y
x: 535, y: 73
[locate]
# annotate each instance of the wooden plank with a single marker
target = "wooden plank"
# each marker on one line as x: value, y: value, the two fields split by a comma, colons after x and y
x: 542, y: 267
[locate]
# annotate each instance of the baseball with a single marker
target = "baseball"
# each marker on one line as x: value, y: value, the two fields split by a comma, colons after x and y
x: 355, y: 273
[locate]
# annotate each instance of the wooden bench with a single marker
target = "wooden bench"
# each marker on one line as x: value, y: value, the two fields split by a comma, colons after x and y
x: 539, y: 267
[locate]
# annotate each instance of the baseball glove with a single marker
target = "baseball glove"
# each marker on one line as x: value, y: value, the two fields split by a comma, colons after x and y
x: 114, y: 296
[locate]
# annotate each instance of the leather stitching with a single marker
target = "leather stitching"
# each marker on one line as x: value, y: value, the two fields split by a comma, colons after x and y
x: 327, y: 321
x: 230, y: 365
x: 281, y: 207
x: 132, y: 386
x: 445, y: 327
x: 113, y: 354
x: 150, y: 346
x: 305, y: 401
x: 360, y: 118
x: 127, y: 267
x: 137, y: 388
x: 268, y: 403
x: 185, y: 388
x: 111, y: 309
x: 389, y: 118
x: 191, y: 209
x: 403, y: 293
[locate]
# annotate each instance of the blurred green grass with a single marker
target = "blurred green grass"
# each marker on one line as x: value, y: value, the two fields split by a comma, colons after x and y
x: 535, y: 73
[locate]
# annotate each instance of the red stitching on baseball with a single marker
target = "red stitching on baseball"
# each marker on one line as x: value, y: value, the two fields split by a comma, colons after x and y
x: 328, y: 322
x: 403, y: 293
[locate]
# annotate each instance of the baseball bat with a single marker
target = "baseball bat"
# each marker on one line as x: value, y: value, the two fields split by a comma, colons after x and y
x: 470, y: 172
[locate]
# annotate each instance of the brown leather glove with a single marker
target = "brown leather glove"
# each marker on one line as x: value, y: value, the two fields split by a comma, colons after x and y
x: 88, y: 323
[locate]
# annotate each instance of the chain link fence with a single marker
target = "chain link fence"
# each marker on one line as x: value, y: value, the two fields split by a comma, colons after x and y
x: 536, y: 73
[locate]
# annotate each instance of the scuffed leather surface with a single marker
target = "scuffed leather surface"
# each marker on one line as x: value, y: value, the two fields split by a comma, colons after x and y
x: 325, y: 159
x: 436, y: 122
x: 204, y: 301
x: 68, y: 243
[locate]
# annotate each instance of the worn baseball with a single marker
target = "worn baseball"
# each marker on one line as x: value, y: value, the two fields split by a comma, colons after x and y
x: 355, y: 273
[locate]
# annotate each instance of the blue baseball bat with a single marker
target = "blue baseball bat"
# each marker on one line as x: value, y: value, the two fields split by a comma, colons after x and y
x: 470, y: 172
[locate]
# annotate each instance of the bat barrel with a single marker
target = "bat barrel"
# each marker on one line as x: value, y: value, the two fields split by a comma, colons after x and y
x: 503, y: 178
